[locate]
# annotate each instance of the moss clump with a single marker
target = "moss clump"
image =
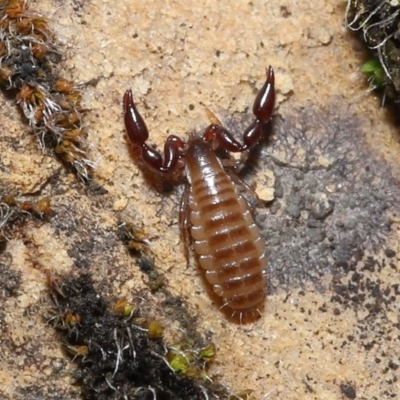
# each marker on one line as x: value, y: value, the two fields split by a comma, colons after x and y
x: 119, y: 356
x: 51, y: 104
x: 378, y: 23
x: 14, y: 211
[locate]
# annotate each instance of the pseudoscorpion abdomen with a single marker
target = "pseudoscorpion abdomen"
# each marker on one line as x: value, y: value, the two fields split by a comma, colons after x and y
x: 229, y: 245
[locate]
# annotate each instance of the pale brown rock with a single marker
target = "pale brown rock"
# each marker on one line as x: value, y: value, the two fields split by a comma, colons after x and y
x: 205, y: 54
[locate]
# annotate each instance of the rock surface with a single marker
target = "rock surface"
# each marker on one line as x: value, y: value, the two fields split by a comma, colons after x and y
x: 331, y: 319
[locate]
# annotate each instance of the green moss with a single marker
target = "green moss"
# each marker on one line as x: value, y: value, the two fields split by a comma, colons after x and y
x: 375, y: 73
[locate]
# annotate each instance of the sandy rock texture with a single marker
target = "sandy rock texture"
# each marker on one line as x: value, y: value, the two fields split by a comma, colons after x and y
x: 328, y: 172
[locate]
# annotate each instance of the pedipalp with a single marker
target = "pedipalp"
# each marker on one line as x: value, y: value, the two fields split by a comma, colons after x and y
x: 262, y: 109
x: 138, y: 134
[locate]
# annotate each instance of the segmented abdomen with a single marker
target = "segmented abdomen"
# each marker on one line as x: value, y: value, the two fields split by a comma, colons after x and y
x: 227, y: 241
